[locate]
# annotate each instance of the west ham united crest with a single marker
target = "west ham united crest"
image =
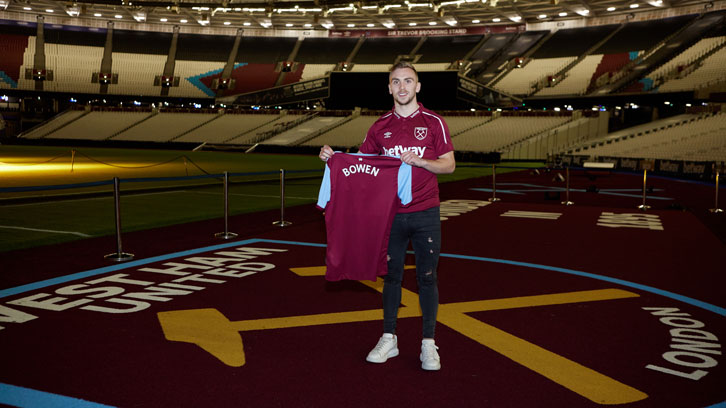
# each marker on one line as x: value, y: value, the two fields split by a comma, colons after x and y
x: 420, y: 133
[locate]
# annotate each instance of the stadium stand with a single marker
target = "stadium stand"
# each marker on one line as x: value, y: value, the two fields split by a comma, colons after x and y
x: 99, y: 125
x: 557, y: 140
x: 55, y: 123
x: 462, y: 123
x: 500, y: 49
x: 305, y: 130
x: 703, y: 71
x: 521, y: 81
x: 678, y: 66
x: 311, y: 71
x: 679, y: 54
x: 573, y: 41
x: 260, y: 134
x: 348, y: 134
x: 504, y: 130
x: 226, y: 127
x: 12, y: 48
x: 693, y: 137
x: 446, y: 49
x: 325, y: 50
x: 384, y: 50
x: 577, y: 79
x: 163, y: 127
x: 643, y: 35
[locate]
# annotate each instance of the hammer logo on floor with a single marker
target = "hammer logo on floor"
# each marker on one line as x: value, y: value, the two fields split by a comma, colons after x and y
x: 214, y: 333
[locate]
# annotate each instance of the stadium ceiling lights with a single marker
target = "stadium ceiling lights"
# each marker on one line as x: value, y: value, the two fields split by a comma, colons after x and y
x: 139, y: 16
x: 451, y: 21
x: 4, y: 4
x: 73, y: 11
x: 338, y: 13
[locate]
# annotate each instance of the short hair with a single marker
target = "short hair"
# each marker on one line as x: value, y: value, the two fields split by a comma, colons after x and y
x: 404, y: 64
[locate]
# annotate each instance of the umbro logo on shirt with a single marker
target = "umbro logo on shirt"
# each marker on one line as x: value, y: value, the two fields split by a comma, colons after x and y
x: 387, y: 135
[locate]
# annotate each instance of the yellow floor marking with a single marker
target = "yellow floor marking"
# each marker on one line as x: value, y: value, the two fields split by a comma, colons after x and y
x: 590, y: 384
x: 209, y: 329
x: 537, y: 300
x: 320, y: 270
x: 320, y: 319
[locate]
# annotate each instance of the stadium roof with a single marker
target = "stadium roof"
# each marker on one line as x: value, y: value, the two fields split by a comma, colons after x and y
x: 343, y: 15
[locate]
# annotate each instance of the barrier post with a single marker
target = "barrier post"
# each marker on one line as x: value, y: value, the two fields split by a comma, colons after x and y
x: 226, y: 234
x: 282, y: 222
x: 73, y: 159
x: 494, y: 184
x: 643, y: 206
x: 715, y: 208
x: 567, y: 187
x: 119, y: 255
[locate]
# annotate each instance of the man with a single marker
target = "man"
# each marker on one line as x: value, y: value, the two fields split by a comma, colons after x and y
x: 421, y: 139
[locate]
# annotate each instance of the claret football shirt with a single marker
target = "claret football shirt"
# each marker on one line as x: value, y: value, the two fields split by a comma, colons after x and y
x: 361, y: 194
x: 423, y: 132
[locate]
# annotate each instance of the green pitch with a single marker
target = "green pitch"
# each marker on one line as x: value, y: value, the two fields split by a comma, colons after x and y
x: 47, y: 215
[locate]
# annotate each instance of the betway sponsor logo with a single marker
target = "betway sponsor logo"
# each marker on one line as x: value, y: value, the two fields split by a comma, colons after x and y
x: 693, y: 168
x: 398, y: 150
x: 361, y: 168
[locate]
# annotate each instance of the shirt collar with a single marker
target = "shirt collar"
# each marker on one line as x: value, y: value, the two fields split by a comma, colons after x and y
x: 416, y: 112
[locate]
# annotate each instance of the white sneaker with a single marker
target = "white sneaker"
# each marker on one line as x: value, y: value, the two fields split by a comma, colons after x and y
x: 429, y: 356
x: 387, y: 347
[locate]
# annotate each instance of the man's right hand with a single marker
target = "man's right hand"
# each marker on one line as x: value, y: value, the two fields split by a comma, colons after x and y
x: 326, y: 152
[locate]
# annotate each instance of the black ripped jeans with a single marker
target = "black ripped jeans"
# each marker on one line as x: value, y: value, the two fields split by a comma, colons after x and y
x: 423, y: 230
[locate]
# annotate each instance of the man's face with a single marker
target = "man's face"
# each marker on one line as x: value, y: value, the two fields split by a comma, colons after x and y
x: 403, y: 85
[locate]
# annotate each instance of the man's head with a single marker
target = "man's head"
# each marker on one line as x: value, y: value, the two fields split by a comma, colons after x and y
x: 403, y: 84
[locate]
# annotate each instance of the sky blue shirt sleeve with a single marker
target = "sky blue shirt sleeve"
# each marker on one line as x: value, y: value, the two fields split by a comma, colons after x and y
x: 404, y: 183
x: 324, y: 194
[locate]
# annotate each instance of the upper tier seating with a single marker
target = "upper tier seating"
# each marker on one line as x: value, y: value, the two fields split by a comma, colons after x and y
x: 710, y: 71
x: 325, y: 50
x: 577, y: 79
x: 692, y: 53
x: 383, y: 50
x: 572, y: 42
x: 12, y: 49
x: 519, y: 81
x: 446, y: 49
x: 642, y: 35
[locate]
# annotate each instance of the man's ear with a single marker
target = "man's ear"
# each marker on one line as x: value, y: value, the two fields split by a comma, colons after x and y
x: 418, y: 86
x: 390, y: 91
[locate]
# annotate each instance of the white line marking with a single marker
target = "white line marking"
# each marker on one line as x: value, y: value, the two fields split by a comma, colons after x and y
x: 80, y: 234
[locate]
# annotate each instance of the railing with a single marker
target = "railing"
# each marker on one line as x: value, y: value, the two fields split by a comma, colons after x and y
x: 120, y: 255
